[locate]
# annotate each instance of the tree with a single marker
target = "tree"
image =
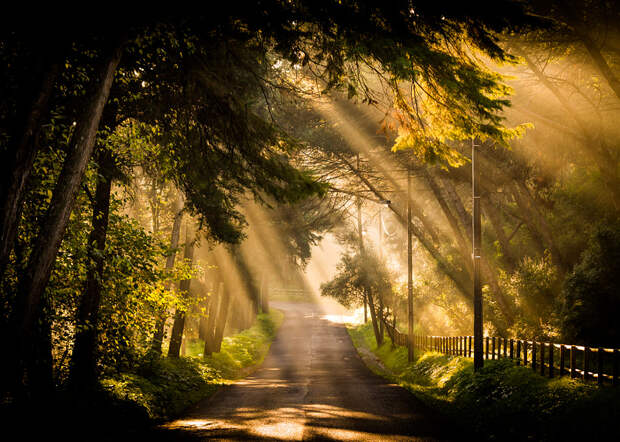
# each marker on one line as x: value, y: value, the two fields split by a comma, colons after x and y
x: 361, y: 276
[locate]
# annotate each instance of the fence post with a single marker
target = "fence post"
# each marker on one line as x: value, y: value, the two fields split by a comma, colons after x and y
x: 586, y: 363
x: 551, y: 348
x: 573, y: 359
x: 512, y: 348
x: 518, y: 352
x: 600, y: 366
x: 534, y: 355
x: 562, y: 360
x: 505, y: 347
x: 525, y: 353
x: 542, y: 358
x: 487, y: 350
x: 493, y: 348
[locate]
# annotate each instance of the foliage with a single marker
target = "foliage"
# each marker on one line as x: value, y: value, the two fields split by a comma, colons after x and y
x: 534, y: 286
x: 165, y: 387
x: 502, y: 401
x: 592, y: 292
x: 357, y: 273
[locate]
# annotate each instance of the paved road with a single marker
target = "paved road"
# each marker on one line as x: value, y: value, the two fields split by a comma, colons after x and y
x: 311, y: 386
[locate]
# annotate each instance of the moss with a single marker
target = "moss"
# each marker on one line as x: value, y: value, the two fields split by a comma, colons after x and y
x: 502, y: 401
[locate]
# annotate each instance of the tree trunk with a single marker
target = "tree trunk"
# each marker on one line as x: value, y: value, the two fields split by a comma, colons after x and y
x: 212, y: 320
x: 83, y: 370
x: 250, y: 303
x: 373, y: 317
x: 13, y: 184
x: 222, y: 316
x: 510, y: 257
x: 537, y: 224
x: 264, y: 294
x: 176, y: 336
x: 160, y: 325
x: 46, y: 245
x: 207, y: 310
x: 452, y: 221
x: 461, y: 281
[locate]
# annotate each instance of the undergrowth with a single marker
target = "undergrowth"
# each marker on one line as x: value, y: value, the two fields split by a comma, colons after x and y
x: 502, y: 401
x: 161, y: 388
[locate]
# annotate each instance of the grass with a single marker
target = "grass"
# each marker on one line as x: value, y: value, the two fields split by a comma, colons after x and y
x: 502, y: 401
x: 162, y: 388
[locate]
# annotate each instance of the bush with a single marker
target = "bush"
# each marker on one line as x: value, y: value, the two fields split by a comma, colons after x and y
x: 163, y: 388
x: 503, y: 401
x: 592, y: 292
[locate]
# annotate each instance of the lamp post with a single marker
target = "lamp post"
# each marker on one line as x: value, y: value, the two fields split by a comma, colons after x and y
x: 476, y: 249
x: 409, y: 272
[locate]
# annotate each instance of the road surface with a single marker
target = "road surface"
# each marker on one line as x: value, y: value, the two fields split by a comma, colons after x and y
x: 311, y: 386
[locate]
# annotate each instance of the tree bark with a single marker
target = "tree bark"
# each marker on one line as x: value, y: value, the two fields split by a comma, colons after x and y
x: 452, y: 221
x: 211, y: 329
x: 510, y: 258
x: 264, y: 293
x: 537, y: 224
x: 222, y: 316
x: 46, y: 245
x: 373, y: 317
x: 176, y: 336
x: 83, y: 370
x: 160, y: 325
x: 14, y: 183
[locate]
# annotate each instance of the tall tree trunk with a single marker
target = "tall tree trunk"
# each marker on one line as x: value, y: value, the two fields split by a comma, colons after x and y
x: 176, y: 336
x: 373, y: 317
x: 252, y: 294
x: 510, y: 257
x: 13, y: 184
x: 46, y: 245
x: 264, y: 293
x: 83, y: 370
x: 206, y: 308
x: 537, y: 224
x: 211, y: 330
x: 160, y: 325
x: 222, y: 316
x: 438, y: 192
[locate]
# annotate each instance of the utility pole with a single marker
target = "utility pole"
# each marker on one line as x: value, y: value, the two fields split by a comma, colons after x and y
x: 361, y: 238
x: 476, y: 239
x: 409, y: 271
x: 381, y: 232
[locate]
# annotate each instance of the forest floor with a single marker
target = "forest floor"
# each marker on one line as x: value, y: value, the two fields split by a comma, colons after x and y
x: 311, y: 386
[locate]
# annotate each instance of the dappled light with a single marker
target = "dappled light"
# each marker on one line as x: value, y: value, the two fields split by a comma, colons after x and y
x: 335, y: 220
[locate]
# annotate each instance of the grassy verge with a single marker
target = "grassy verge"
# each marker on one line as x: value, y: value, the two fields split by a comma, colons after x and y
x: 162, y: 388
x: 502, y: 401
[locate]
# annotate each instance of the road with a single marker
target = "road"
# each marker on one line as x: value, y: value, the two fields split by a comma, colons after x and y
x: 311, y: 386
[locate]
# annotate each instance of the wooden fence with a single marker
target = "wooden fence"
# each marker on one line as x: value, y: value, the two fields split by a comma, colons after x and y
x: 551, y: 359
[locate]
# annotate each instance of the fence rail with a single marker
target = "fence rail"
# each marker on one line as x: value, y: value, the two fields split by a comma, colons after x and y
x: 549, y: 358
